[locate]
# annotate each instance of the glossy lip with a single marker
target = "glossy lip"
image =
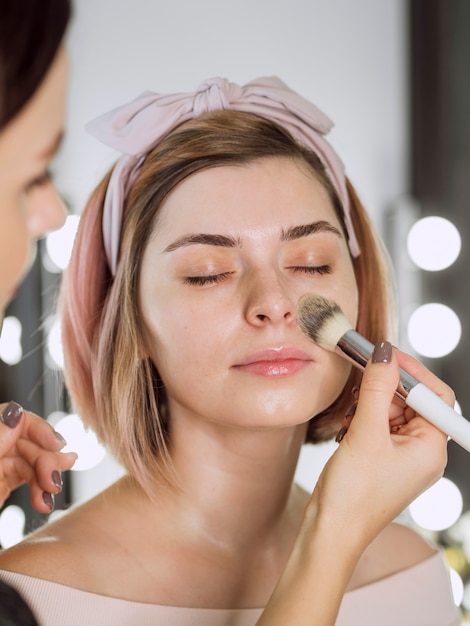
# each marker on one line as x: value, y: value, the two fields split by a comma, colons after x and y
x: 275, y: 362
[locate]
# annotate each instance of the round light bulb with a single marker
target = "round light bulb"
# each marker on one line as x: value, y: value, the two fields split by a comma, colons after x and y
x: 60, y: 242
x: 82, y: 441
x: 12, y: 521
x: 439, y: 507
x: 11, y: 351
x: 54, y: 344
x: 434, y: 330
x: 433, y: 243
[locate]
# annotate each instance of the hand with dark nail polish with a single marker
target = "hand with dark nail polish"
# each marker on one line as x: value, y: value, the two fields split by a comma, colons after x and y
x: 11, y: 414
x: 30, y: 452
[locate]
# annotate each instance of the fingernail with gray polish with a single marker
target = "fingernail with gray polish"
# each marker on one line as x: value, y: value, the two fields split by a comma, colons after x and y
x: 57, y: 479
x: 382, y: 352
x: 48, y: 500
x: 11, y: 414
x: 60, y: 438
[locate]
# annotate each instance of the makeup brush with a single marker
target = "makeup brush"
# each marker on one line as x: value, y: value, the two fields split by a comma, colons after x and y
x: 324, y: 323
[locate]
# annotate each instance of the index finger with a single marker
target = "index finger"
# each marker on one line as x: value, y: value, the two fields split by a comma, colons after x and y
x: 39, y: 431
x: 10, y: 418
x: 15, y: 424
x: 378, y: 386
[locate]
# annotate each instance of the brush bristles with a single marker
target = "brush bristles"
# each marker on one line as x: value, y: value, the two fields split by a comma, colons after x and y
x: 322, y: 321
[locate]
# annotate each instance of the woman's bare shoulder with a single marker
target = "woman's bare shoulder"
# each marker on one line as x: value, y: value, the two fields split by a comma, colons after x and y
x: 63, y: 550
x: 50, y: 549
x: 397, y: 548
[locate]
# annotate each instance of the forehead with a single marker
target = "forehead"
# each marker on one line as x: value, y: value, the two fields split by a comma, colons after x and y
x: 262, y: 194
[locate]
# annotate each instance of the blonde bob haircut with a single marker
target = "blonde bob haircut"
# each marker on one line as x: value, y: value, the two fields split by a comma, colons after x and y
x: 113, y: 384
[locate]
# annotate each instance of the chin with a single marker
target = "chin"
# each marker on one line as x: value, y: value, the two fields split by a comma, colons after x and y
x: 285, y: 409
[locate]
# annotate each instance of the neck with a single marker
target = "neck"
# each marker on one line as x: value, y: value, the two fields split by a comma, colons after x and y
x: 236, y: 485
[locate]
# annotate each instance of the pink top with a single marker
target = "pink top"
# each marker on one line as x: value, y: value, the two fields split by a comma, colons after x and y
x: 418, y: 596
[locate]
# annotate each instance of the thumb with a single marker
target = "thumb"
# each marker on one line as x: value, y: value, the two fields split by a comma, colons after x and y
x: 378, y: 386
x: 10, y: 418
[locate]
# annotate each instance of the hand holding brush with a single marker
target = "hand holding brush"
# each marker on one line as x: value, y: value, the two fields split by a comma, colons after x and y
x: 368, y: 481
x: 324, y: 323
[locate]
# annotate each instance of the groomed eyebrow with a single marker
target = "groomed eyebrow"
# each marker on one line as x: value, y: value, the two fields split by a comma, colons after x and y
x: 226, y: 241
x: 304, y: 230
x: 223, y: 241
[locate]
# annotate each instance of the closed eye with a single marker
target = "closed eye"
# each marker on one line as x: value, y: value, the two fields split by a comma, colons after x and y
x: 210, y: 279
x: 40, y: 180
x: 311, y: 269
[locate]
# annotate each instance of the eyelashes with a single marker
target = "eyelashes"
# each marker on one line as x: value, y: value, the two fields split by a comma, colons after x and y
x: 211, y: 279
x: 42, y: 179
x: 214, y: 279
x: 312, y: 269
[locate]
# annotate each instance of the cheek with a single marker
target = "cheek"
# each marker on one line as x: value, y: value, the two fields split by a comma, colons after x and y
x: 350, y: 301
x: 343, y: 369
x: 181, y: 338
x: 346, y: 295
x: 15, y: 247
x: 329, y: 384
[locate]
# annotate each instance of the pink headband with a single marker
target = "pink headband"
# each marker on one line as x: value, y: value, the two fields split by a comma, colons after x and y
x: 137, y: 127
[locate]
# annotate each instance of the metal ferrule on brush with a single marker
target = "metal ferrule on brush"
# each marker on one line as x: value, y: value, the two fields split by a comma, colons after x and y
x: 357, y: 350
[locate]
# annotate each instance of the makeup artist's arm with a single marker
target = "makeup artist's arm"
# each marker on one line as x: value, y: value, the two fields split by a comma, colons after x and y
x: 350, y: 505
x: 30, y: 453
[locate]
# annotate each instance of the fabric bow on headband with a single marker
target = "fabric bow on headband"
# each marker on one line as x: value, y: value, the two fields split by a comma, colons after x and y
x: 135, y: 128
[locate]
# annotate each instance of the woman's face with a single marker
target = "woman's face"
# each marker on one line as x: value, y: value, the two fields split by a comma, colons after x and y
x: 29, y: 204
x: 234, y: 250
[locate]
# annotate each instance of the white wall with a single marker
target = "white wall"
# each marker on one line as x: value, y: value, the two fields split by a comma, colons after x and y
x: 347, y: 56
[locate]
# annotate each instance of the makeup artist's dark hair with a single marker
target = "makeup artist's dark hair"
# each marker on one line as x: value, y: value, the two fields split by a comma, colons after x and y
x: 13, y: 609
x: 31, y: 32
x: 113, y: 382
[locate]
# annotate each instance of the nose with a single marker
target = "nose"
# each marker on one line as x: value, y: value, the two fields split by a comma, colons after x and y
x: 46, y: 211
x: 269, y: 301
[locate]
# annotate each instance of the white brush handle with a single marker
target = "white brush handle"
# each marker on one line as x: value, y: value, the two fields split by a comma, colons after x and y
x: 435, y: 410
x: 357, y: 349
